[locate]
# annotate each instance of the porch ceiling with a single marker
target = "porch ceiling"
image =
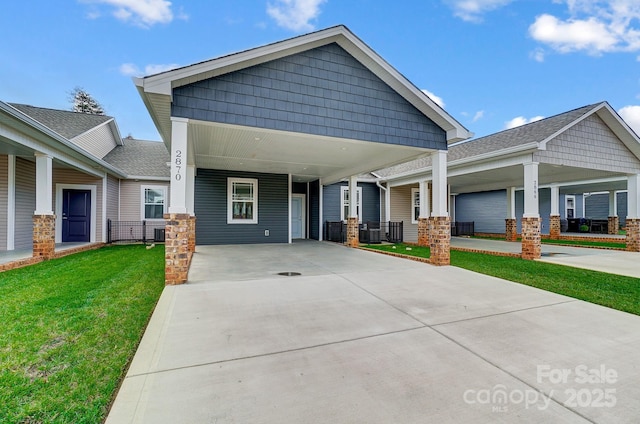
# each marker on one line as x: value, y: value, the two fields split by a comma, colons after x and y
x: 307, y: 157
x: 513, y: 176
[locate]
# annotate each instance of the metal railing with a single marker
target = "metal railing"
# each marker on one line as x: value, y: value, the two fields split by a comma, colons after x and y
x: 369, y: 232
x: 135, y: 231
x: 462, y: 228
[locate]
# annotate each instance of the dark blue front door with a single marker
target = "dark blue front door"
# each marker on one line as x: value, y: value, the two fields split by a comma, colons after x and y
x: 76, y: 215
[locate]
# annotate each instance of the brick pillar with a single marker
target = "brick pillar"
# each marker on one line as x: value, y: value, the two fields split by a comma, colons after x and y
x: 423, y: 232
x: 176, y: 249
x: 353, y: 236
x: 192, y: 234
x: 633, y: 234
x: 614, y: 225
x: 531, y: 245
x: 511, y: 226
x: 44, y: 236
x: 440, y: 235
x: 554, y: 227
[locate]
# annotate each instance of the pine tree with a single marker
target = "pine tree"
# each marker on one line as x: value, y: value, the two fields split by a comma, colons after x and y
x: 83, y: 102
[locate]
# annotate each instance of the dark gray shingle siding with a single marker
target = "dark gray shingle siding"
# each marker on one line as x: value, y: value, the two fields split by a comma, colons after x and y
x: 323, y: 91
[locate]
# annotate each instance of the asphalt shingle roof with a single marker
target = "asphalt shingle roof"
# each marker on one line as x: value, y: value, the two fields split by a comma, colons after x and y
x: 66, y: 123
x: 140, y: 158
x: 530, y: 133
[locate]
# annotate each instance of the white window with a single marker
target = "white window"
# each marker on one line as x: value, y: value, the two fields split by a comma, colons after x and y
x: 344, y: 203
x: 415, y: 205
x: 154, y: 202
x: 242, y: 201
x: 570, y: 207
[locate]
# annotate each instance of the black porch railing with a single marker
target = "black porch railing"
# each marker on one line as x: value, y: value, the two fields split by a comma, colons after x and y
x: 370, y: 232
x: 135, y: 231
x: 462, y: 228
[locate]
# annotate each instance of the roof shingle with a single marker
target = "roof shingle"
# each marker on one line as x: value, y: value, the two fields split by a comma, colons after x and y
x: 66, y: 123
x: 140, y: 158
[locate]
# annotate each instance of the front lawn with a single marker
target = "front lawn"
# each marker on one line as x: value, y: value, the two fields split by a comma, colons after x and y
x: 615, y: 291
x: 68, y: 329
x: 578, y: 243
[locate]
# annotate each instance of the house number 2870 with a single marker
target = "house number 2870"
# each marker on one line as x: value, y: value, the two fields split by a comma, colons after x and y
x: 178, y: 163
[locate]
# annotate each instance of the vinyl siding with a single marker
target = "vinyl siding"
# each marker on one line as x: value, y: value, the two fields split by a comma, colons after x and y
x: 71, y: 177
x: 4, y: 199
x: 98, y: 141
x: 597, y: 206
x: 211, y: 209
x: 401, y: 211
x: 322, y: 91
x: 25, y: 203
x: 370, y: 202
x: 113, y: 198
x: 601, y: 149
x: 131, y: 198
x: 487, y: 210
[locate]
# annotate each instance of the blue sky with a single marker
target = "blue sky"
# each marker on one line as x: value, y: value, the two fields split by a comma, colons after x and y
x: 492, y: 63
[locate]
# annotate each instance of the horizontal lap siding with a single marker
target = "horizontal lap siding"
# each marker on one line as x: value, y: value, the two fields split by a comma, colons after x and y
x: 597, y: 206
x: 401, y: 210
x: 211, y: 209
x: 113, y: 198
x: 323, y: 91
x: 487, y: 210
x: 25, y: 203
x: 98, y: 141
x: 4, y: 199
x: 131, y: 198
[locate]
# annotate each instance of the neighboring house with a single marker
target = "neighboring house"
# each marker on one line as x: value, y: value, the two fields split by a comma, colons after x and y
x: 75, y: 172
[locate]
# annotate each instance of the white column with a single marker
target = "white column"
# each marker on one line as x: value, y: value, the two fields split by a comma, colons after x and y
x: 511, y: 203
x: 439, y: 183
x: 191, y: 187
x: 105, y: 181
x: 613, y: 203
x: 289, y: 206
x: 387, y: 203
x: 633, y: 196
x: 531, y: 207
x: 44, y: 184
x: 555, y: 200
x: 11, y: 202
x: 320, y: 214
x: 353, y: 196
x: 178, y: 188
x: 424, y: 200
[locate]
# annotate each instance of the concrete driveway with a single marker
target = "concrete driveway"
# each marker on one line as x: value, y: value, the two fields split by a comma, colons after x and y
x: 360, y: 337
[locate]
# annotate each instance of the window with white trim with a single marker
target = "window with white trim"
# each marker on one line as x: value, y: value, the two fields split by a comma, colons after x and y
x: 242, y: 201
x: 154, y: 202
x: 570, y: 206
x: 415, y: 205
x: 344, y: 203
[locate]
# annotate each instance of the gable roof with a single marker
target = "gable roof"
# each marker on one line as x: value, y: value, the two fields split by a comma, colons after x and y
x: 156, y: 90
x: 141, y: 159
x: 66, y: 123
x: 530, y: 136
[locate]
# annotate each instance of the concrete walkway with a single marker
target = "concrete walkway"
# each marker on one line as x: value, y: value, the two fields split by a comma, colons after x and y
x: 610, y: 261
x: 360, y: 337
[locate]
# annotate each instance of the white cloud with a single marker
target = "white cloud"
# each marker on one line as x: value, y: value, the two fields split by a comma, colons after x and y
x: 631, y: 115
x: 594, y: 26
x: 520, y: 120
x: 436, y: 99
x: 144, y: 13
x: 537, y: 55
x: 472, y: 10
x: 132, y: 70
x: 478, y: 116
x: 295, y: 14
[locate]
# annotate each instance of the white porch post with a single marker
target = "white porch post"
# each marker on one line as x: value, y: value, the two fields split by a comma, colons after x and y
x: 44, y: 224
x: 633, y: 213
x: 352, y: 221
x: 180, y: 228
x: 531, y: 241
x: 289, y: 205
x: 11, y: 202
x: 440, y: 223
x: 387, y: 203
x: 554, y: 219
x: 511, y: 222
x: 613, y: 222
x: 613, y: 203
x: 425, y: 206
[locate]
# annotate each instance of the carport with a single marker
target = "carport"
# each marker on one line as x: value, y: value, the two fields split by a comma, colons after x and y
x: 317, y: 109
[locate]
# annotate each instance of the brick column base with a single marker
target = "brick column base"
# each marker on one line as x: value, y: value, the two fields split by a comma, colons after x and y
x: 192, y: 234
x: 353, y: 229
x: 633, y: 234
x: 554, y: 227
x: 614, y: 225
x: 440, y: 236
x: 531, y: 240
x: 511, y: 227
x: 44, y: 236
x: 423, y: 232
x: 176, y: 249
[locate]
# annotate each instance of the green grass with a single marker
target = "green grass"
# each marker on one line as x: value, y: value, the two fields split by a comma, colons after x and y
x: 68, y: 329
x: 614, y: 291
x: 587, y: 243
